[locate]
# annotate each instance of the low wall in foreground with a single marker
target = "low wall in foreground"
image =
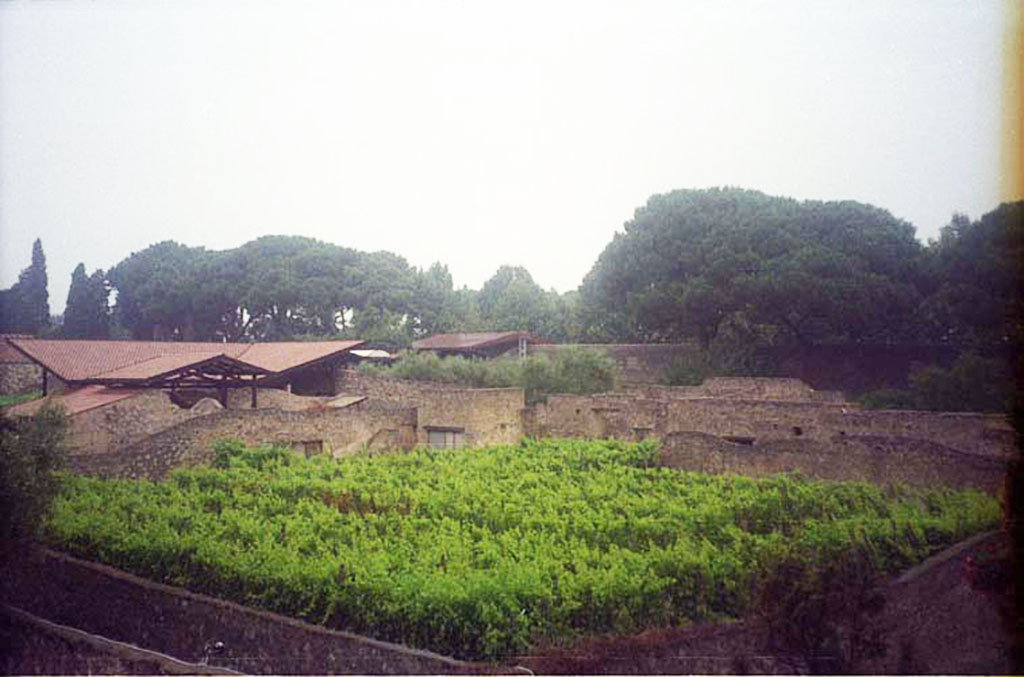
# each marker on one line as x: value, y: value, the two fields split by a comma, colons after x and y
x: 117, y: 605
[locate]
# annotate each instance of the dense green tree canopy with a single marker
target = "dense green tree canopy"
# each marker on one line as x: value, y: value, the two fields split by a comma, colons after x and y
x: 25, y: 307
x: 975, y: 278
x: 691, y: 261
x: 87, y: 314
x: 718, y: 266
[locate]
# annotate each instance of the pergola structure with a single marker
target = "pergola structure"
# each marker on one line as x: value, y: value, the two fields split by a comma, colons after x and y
x: 485, y: 344
x: 177, y: 366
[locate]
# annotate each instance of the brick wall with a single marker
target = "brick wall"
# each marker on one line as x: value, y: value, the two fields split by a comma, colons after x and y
x: 20, y: 377
x: 370, y: 425
x: 487, y: 415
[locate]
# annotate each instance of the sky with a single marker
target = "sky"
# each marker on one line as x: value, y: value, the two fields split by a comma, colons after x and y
x: 480, y: 133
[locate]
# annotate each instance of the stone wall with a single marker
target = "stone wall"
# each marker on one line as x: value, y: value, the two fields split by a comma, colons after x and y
x: 367, y: 425
x: 876, y: 459
x: 827, y: 439
x: 174, y: 621
x: 635, y: 414
x: 485, y: 415
x: 123, y: 423
x: 20, y: 377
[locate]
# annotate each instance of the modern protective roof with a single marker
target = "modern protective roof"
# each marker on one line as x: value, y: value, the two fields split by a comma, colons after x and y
x: 77, y: 401
x: 128, y: 362
x: 470, y: 341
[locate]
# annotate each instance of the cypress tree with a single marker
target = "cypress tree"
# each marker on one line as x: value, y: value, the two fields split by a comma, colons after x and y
x: 26, y: 305
x: 87, y: 314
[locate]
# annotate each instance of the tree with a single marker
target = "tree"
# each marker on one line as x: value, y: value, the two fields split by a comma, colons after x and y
x: 511, y: 300
x: 693, y: 261
x: 434, y: 305
x: 975, y: 278
x: 26, y: 305
x: 87, y: 314
x: 156, y: 289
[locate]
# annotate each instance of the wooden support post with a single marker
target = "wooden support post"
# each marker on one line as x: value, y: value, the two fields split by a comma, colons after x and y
x: 222, y: 395
x: 252, y: 404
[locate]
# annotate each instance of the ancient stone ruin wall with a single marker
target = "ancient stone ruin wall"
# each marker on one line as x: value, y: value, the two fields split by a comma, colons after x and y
x: 368, y: 425
x: 271, y: 398
x: 485, y: 415
x: 737, y: 388
x: 988, y: 434
x: 108, y: 602
x: 827, y: 439
x: 632, y: 414
x: 875, y: 459
x: 20, y: 377
x: 120, y: 424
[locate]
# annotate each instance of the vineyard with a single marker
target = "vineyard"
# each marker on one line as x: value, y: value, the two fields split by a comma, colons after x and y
x: 482, y: 553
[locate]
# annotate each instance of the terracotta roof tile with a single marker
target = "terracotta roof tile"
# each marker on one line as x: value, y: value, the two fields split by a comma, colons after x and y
x: 76, y: 401
x: 278, y: 357
x: 82, y: 360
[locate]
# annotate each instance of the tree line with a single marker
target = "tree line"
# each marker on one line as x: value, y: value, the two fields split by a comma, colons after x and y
x: 720, y: 267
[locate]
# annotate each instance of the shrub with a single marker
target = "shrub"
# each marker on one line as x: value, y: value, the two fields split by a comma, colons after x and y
x: 572, y: 370
x: 31, y: 449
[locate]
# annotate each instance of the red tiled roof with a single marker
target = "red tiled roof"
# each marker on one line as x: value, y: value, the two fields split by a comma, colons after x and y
x: 162, y: 365
x: 469, y: 341
x: 139, y: 360
x: 76, y: 401
x: 278, y: 357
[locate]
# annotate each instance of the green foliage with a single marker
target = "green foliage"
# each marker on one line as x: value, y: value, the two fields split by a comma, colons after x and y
x: 31, y: 449
x: 18, y: 398
x: 571, y: 370
x: 25, y: 307
x: 972, y: 383
x: 87, y: 315
x: 692, y: 261
x: 480, y: 553
x: 824, y: 608
x: 733, y: 352
x: 975, y: 277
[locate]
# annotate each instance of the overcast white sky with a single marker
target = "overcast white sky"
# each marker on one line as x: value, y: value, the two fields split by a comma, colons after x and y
x: 476, y: 133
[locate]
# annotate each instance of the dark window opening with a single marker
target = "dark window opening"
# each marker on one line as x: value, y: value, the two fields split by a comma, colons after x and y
x: 746, y: 441
x: 798, y: 431
x: 446, y: 438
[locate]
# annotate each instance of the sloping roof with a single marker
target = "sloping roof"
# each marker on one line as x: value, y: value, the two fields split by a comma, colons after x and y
x: 469, y: 341
x: 140, y: 360
x: 76, y: 401
x: 166, y: 365
x: 279, y: 357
